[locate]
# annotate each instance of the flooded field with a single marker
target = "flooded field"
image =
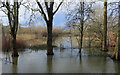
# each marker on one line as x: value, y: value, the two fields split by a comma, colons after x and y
x: 63, y: 61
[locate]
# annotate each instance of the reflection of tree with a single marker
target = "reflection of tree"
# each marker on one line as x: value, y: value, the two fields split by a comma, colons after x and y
x: 14, y: 65
x: 104, y: 65
x: 49, y: 63
x: 80, y: 58
x: 80, y: 62
x: 71, y: 39
x: 7, y: 57
x: 118, y: 68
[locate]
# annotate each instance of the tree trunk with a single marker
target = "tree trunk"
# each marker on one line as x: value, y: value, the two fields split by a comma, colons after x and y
x: 119, y: 34
x: 81, y: 38
x: 15, y: 52
x: 49, y: 39
x: 14, y: 29
x: 82, y: 23
x: 104, y: 47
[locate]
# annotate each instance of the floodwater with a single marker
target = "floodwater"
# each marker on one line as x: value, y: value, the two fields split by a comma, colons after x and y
x: 63, y: 61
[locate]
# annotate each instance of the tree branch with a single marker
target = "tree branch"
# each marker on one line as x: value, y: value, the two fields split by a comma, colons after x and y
x: 42, y: 11
x: 36, y: 10
x: 4, y: 11
x: 58, y: 7
x: 46, y: 4
x: 3, y: 5
x: 51, y: 6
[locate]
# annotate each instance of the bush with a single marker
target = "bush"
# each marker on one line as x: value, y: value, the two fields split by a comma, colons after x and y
x: 20, y: 44
x: 7, y: 45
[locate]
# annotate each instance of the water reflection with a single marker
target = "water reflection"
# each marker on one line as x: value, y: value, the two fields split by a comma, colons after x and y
x: 80, y: 58
x: 61, y: 62
x: 104, y: 66
x: 7, y: 58
x: 14, y: 64
x: 49, y: 63
x: 118, y: 68
x: 64, y: 61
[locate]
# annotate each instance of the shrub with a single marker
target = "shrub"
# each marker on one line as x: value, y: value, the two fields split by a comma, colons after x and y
x: 7, y: 45
x: 20, y: 44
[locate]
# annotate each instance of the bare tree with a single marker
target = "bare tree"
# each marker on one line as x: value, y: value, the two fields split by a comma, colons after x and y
x: 77, y: 18
x: 48, y: 17
x: 12, y: 12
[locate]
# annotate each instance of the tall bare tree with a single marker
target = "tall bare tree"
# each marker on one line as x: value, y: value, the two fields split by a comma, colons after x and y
x: 48, y: 17
x: 104, y: 47
x: 12, y: 12
x: 119, y: 34
x: 77, y: 18
x: 82, y: 23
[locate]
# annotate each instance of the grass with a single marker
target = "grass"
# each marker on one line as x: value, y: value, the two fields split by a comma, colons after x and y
x: 31, y: 40
x: 40, y: 47
x: 26, y: 36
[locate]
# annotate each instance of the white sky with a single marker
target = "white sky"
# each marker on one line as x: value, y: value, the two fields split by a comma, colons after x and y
x: 64, y: 0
